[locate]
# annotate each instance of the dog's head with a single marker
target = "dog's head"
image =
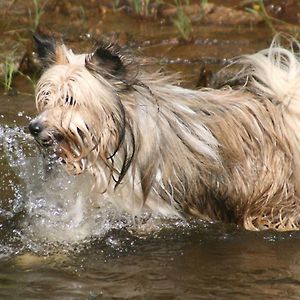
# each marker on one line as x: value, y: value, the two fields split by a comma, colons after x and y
x: 80, y: 113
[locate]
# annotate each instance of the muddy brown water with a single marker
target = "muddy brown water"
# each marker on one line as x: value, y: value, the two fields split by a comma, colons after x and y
x: 176, y: 260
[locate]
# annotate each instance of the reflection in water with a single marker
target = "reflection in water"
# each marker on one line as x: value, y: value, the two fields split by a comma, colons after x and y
x: 50, y: 237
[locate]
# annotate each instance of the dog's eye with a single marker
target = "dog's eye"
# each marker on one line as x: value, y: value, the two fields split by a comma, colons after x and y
x: 70, y: 100
x: 45, y: 95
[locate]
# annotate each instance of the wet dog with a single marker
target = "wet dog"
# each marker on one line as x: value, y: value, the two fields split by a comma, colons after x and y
x: 230, y: 154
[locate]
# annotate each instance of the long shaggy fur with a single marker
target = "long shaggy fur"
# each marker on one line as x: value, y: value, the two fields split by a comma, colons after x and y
x: 229, y: 155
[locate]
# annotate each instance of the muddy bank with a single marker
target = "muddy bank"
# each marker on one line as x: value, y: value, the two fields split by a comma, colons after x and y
x: 195, y: 38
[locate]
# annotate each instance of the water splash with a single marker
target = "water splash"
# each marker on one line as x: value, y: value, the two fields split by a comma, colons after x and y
x: 56, y: 208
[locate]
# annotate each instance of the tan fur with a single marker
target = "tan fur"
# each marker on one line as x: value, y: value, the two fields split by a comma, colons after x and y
x: 229, y: 155
x: 60, y: 57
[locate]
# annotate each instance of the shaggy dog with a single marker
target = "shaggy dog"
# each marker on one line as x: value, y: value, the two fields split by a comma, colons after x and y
x: 228, y: 155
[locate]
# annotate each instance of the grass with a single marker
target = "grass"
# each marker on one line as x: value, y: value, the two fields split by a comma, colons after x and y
x: 259, y: 8
x: 115, y: 4
x: 9, y: 71
x: 9, y: 68
x: 182, y: 22
x: 82, y: 13
x: 141, y: 7
x: 35, y: 17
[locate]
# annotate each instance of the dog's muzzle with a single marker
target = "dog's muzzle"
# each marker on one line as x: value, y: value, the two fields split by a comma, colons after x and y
x: 43, y: 135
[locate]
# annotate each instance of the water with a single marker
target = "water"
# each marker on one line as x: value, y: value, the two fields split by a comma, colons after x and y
x: 53, y: 246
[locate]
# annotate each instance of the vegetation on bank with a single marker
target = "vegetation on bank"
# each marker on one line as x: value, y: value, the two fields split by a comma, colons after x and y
x: 183, y: 15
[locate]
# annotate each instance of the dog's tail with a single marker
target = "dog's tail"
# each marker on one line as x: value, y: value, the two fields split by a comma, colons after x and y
x: 275, y: 72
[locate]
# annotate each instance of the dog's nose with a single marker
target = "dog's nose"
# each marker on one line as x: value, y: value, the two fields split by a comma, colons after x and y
x: 35, y: 127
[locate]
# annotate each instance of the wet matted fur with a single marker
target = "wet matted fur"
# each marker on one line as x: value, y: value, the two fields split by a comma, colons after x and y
x: 229, y: 155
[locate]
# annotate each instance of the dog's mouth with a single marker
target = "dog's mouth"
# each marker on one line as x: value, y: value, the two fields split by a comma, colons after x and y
x: 57, y: 148
x: 52, y: 139
x: 52, y: 143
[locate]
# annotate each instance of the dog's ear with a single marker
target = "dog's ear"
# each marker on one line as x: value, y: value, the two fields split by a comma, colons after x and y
x: 46, y: 48
x: 106, y: 58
